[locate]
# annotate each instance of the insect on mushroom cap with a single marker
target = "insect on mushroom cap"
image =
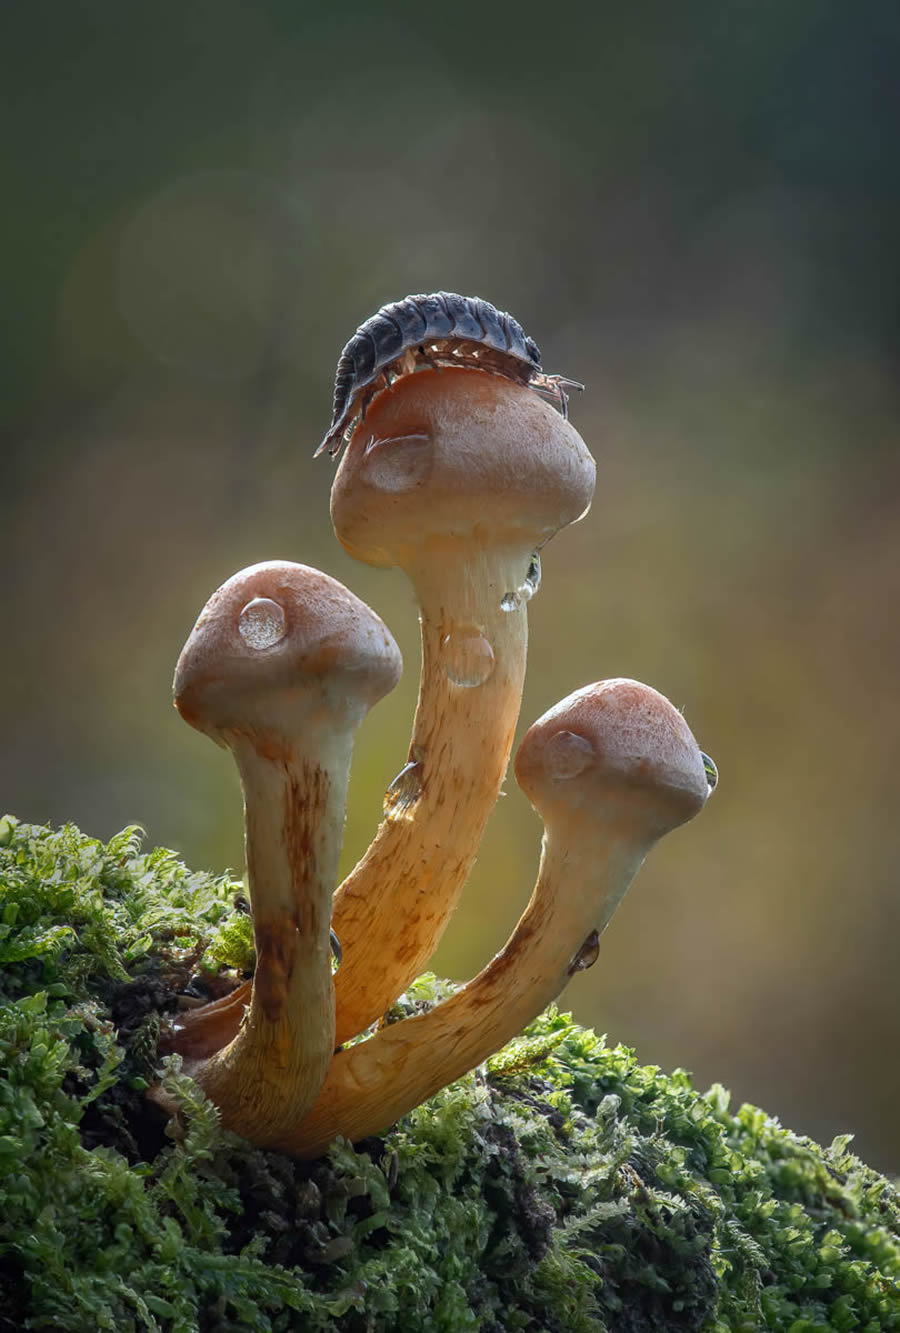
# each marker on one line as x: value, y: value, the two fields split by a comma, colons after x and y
x: 442, y: 328
x: 278, y: 638
x: 616, y: 745
x: 458, y: 452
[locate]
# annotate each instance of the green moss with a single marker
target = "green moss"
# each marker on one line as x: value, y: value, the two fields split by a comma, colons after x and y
x: 564, y: 1187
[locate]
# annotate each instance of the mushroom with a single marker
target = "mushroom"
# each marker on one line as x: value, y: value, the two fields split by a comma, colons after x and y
x: 281, y: 667
x: 611, y: 769
x: 459, y: 477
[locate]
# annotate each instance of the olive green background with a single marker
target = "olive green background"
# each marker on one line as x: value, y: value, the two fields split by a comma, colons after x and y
x: 695, y: 209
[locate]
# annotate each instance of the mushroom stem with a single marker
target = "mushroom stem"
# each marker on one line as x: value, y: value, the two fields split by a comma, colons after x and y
x: 461, y: 739
x: 612, y: 769
x: 293, y: 811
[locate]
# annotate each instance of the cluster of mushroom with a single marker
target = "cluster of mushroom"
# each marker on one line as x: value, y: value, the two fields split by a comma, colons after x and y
x: 459, y: 475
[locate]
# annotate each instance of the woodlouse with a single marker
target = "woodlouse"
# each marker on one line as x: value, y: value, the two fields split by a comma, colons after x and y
x: 433, y: 330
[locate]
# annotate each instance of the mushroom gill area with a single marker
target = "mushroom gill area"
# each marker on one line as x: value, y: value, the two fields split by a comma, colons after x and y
x: 610, y: 770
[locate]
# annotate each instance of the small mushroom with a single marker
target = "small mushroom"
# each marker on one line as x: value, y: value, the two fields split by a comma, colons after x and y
x: 459, y: 477
x: 281, y: 667
x: 611, y: 769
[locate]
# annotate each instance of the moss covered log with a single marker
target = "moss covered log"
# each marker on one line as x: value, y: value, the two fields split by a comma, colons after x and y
x: 563, y: 1187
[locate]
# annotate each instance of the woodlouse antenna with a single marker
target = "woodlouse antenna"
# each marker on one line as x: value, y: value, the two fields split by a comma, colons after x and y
x: 553, y: 388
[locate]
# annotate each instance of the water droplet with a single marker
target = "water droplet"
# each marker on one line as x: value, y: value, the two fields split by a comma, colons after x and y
x: 467, y: 656
x: 586, y: 956
x: 712, y: 773
x: 532, y: 578
x: 405, y: 790
x: 513, y: 600
x: 567, y: 754
x: 337, y: 953
x: 399, y: 463
x: 262, y: 623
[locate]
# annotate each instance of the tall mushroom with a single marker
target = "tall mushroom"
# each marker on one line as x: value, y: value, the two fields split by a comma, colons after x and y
x: 611, y: 769
x: 459, y: 477
x: 281, y: 667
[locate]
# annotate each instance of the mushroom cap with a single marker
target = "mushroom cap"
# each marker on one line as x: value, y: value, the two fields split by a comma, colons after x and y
x: 276, y: 641
x: 461, y: 453
x: 618, y: 749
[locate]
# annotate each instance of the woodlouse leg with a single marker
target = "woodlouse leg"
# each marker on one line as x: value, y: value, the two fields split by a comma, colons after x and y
x: 429, y: 360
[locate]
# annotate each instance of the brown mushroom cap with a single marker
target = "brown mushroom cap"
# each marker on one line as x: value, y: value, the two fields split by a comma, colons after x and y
x: 462, y: 453
x: 630, y: 748
x: 265, y: 635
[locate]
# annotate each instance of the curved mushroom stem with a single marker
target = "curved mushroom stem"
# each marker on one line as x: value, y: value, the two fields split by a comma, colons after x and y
x: 281, y: 667
x: 458, y: 477
x: 391, y: 910
x: 612, y: 769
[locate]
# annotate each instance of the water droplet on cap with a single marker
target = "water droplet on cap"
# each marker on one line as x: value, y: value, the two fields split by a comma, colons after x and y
x: 337, y: 953
x: 262, y: 623
x: 712, y: 773
x: 567, y: 754
x: 468, y: 658
x: 509, y: 601
x: 400, y: 463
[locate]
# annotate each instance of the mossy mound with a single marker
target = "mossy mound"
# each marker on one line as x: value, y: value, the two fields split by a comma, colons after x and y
x: 566, y: 1187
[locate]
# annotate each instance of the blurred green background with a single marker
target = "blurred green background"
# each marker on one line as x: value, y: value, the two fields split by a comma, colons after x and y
x: 693, y: 208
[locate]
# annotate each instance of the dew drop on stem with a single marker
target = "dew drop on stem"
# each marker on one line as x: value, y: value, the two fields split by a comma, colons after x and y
x: 586, y: 956
x: 406, y: 788
x: 467, y: 656
x: 532, y: 578
x: 511, y: 601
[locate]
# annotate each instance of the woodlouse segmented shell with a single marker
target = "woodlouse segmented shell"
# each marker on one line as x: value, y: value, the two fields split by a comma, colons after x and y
x: 431, y: 330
